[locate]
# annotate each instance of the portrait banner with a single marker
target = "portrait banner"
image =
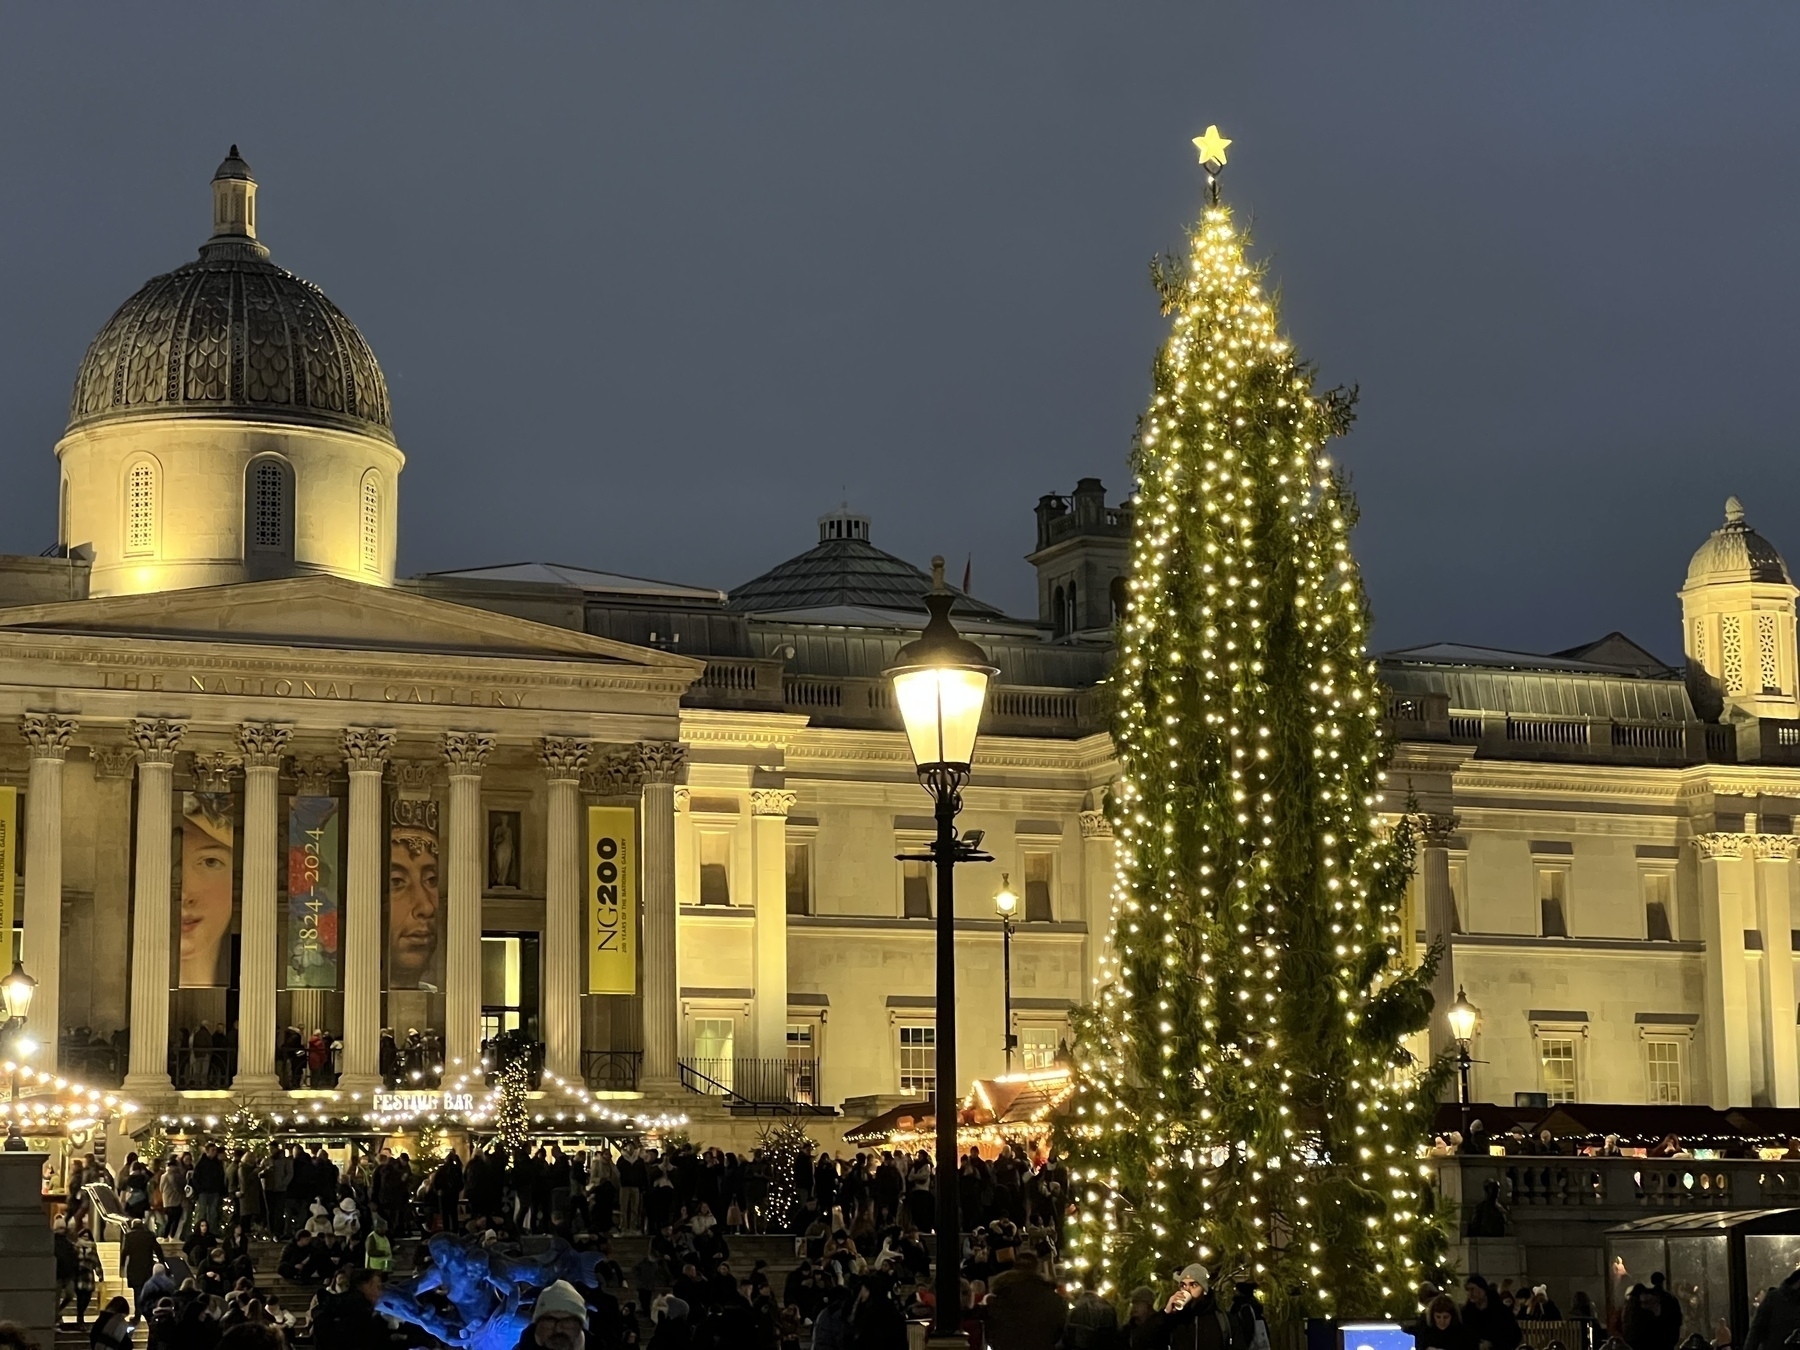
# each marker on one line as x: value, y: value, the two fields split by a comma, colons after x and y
x: 204, y: 848
x: 314, y: 890
x: 9, y: 860
x: 612, y: 883
x: 415, y: 913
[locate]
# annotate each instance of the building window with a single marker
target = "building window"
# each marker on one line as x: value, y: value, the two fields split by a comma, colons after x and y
x: 1038, y: 1047
x: 1120, y: 593
x: 715, y: 868
x: 712, y: 1040
x: 799, y: 878
x: 1662, y: 1060
x: 1659, y: 906
x: 918, y: 1061
x: 1040, y: 871
x: 268, y: 505
x: 1765, y: 654
x: 1553, y: 920
x: 915, y: 890
x: 1057, y: 628
x: 802, y: 1063
x: 1556, y: 1063
x: 1459, y: 898
x: 140, y: 508
x: 1731, y: 654
x: 62, y: 515
x: 371, y: 524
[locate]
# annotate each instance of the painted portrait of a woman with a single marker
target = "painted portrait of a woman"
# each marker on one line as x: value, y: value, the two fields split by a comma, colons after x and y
x: 204, y: 839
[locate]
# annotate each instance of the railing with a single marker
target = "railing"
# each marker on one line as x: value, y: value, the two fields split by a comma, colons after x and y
x: 813, y: 694
x: 502, y: 1050
x: 1721, y: 744
x: 787, y: 1085
x: 1030, y: 703
x: 203, y: 1069
x: 737, y: 677
x: 93, y: 1063
x: 1546, y: 733
x: 1623, y: 1186
x: 1406, y: 709
x: 611, y: 1070
x: 1787, y: 735
x: 1649, y: 737
x: 1465, y: 728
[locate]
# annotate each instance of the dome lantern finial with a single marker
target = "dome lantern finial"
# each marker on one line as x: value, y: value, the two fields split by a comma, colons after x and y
x: 234, y: 199
x: 1734, y: 511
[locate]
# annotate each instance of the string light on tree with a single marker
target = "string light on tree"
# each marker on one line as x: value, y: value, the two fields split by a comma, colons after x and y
x: 512, y: 1121
x: 1242, y: 1094
x: 783, y: 1144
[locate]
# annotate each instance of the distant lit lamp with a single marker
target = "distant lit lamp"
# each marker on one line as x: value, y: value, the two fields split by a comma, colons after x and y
x: 16, y: 991
x: 1006, y: 904
x: 1463, y: 1019
x: 940, y: 686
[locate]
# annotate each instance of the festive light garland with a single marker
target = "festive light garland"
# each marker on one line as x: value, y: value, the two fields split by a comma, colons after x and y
x: 783, y: 1144
x: 1242, y: 1095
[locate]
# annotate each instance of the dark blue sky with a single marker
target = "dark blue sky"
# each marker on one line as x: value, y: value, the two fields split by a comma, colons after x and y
x: 655, y: 287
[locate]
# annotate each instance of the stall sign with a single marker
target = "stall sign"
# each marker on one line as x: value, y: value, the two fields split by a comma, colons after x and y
x: 422, y: 1103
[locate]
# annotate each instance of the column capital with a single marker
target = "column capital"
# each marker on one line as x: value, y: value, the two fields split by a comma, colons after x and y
x: 47, y: 734
x: 564, y: 757
x: 157, y: 738
x: 366, y: 749
x: 1776, y: 846
x: 661, y: 761
x: 313, y: 774
x: 1435, y: 829
x: 1095, y: 825
x: 466, y: 752
x: 212, y: 771
x: 262, y: 743
x: 1724, y: 845
x: 113, y: 761
x: 414, y: 777
x: 771, y: 802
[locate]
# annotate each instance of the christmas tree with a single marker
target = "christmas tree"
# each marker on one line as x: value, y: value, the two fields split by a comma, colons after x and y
x: 1242, y: 1095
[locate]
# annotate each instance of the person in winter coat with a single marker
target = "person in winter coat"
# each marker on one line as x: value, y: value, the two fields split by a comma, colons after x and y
x: 1488, y: 1323
x: 1441, y: 1327
x: 1093, y: 1323
x: 345, y: 1221
x: 1777, y: 1317
x: 112, y: 1329
x: 138, y: 1253
x: 88, y: 1273
x: 173, y: 1192
x: 1195, y: 1319
x: 1022, y: 1311
x: 251, y: 1206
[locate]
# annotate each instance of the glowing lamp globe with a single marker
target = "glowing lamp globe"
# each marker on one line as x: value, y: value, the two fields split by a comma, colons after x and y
x: 940, y: 684
x: 17, y: 988
x: 1463, y: 1017
x: 1006, y: 904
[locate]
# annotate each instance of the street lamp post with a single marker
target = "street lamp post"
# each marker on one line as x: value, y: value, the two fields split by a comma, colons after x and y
x: 940, y: 684
x: 15, y: 1001
x: 1463, y: 1018
x: 1006, y: 904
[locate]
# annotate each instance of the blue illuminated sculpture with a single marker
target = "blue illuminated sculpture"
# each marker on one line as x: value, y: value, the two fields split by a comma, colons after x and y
x: 481, y: 1297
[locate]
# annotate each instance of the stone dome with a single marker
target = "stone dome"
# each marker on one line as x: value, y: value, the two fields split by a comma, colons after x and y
x: 1735, y: 552
x: 232, y: 335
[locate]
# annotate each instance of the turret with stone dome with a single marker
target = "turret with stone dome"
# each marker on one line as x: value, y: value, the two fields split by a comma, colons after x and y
x: 1737, y: 619
x: 229, y: 423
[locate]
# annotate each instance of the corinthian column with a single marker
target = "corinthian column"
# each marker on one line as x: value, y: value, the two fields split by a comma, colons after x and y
x: 156, y: 739
x: 660, y: 763
x: 564, y: 759
x: 48, y: 737
x: 769, y: 809
x: 262, y: 744
x: 466, y: 752
x: 365, y: 756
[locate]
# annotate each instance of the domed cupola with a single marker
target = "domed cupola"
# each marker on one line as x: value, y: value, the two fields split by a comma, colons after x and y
x: 1737, y: 610
x: 229, y: 423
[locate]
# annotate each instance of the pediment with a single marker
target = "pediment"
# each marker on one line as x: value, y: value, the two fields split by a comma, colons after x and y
x: 330, y: 612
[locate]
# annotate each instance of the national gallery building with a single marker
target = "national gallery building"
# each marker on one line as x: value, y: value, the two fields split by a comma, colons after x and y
x: 254, y: 786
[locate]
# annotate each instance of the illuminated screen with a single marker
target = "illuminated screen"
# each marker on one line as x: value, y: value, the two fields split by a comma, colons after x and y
x: 1373, y: 1336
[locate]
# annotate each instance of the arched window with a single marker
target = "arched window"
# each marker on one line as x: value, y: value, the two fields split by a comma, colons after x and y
x: 62, y: 516
x: 371, y: 524
x: 140, y: 508
x: 268, y: 504
x: 1121, y: 597
x: 1074, y: 610
x: 1058, y: 619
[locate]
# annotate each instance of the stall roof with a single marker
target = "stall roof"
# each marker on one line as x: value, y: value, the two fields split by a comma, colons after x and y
x: 1494, y: 1118
x: 1640, y: 1122
x: 908, y: 1116
x: 1712, y: 1221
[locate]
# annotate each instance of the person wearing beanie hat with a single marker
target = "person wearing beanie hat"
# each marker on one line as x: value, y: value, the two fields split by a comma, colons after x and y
x: 559, y: 1319
x: 1195, y: 1319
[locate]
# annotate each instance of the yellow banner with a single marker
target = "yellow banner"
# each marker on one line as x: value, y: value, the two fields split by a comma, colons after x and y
x: 9, y: 863
x: 612, y: 881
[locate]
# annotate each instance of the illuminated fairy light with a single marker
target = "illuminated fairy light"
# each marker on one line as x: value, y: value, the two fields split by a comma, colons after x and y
x: 1239, y: 1074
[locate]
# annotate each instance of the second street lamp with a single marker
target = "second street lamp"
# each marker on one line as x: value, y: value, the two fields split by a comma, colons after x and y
x: 1463, y: 1019
x: 15, y: 1000
x: 1006, y: 904
x: 940, y: 685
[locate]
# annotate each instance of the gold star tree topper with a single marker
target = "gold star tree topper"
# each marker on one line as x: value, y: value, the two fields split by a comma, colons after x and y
x: 1211, y: 147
